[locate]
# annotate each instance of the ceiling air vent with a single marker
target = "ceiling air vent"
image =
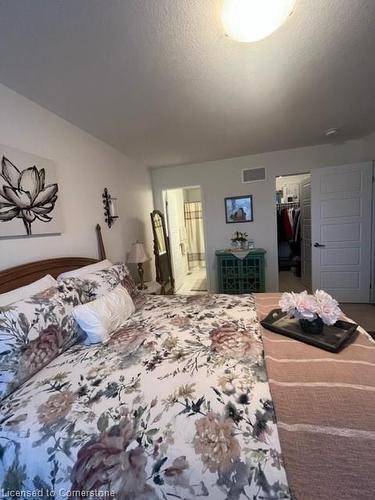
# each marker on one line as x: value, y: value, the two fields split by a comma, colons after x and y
x: 253, y: 175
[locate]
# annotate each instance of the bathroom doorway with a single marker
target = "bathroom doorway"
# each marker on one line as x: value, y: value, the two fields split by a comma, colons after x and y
x: 184, y: 217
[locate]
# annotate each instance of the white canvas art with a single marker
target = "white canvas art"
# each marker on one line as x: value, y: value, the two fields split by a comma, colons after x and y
x: 29, y: 195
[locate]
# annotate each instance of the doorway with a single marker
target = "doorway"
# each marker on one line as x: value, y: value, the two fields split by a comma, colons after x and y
x: 337, y: 235
x: 184, y: 217
x: 293, y: 211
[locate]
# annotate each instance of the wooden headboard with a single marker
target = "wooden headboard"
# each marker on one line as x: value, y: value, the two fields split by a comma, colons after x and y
x: 25, y: 274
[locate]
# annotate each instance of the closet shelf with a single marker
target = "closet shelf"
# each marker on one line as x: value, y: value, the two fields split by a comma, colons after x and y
x: 289, y: 204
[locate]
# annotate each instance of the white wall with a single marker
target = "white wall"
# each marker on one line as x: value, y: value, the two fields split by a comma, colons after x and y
x: 369, y: 146
x: 219, y: 179
x: 85, y: 166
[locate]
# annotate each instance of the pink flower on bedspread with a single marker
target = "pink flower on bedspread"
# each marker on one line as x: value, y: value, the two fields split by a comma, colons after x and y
x: 215, y: 442
x: 107, y: 464
x: 127, y: 334
x: 46, y: 294
x: 180, y: 321
x: 56, y: 407
x: 38, y: 353
x: 229, y: 341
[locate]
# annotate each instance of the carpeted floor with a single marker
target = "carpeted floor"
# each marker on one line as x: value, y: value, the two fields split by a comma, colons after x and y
x: 363, y: 314
x: 288, y: 282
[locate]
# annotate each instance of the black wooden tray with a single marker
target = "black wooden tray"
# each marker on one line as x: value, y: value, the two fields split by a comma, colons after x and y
x: 333, y: 338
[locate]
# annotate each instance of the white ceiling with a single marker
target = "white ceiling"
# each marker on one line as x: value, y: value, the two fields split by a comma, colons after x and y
x: 158, y: 80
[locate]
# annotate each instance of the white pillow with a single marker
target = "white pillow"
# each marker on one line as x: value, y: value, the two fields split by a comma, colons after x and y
x: 82, y: 271
x: 103, y: 316
x: 24, y: 292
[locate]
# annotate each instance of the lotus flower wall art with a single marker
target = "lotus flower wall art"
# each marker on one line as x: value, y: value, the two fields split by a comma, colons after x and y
x: 28, y: 195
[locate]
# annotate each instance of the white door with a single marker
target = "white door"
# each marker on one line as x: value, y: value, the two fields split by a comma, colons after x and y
x: 341, y: 231
x: 174, y: 203
x: 305, y: 202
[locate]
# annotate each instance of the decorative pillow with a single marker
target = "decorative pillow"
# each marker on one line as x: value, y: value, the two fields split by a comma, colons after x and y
x: 102, y: 317
x: 27, y: 291
x: 32, y: 333
x: 82, y: 271
x: 94, y: 285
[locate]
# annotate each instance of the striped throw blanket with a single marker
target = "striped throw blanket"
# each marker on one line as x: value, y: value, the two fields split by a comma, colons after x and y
x: 325, y: 409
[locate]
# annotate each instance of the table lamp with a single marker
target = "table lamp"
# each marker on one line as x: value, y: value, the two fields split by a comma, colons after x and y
x: 137, y: 255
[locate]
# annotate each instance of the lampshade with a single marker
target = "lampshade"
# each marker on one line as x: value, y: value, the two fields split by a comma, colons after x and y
x: 253, y: 20
x: 137, y: 254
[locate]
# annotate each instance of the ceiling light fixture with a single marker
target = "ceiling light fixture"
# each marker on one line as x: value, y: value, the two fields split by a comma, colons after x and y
x: 253, y: 20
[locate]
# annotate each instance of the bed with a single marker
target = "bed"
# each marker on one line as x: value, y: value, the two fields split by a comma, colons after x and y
x: 178, y: 405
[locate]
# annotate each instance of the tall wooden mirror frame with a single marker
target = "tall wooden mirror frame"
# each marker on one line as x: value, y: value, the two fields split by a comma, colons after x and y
x: 163, y: 262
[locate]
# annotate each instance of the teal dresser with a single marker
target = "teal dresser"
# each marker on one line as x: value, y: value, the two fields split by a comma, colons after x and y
x: 237, y: 275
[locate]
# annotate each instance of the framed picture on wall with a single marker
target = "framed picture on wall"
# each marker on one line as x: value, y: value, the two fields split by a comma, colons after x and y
x: 29, y: 195
x: 239, y: 209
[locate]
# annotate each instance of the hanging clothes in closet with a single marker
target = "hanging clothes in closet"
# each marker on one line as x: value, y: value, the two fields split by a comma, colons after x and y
x: 295, y: 243
x: 289, y: 235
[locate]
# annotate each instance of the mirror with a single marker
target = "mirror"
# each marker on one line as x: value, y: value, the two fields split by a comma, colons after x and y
x: 163, y: 263
x: 160, y: 235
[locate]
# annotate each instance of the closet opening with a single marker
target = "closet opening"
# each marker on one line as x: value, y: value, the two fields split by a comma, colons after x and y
x: 184, y: 220
x: 293, y: 211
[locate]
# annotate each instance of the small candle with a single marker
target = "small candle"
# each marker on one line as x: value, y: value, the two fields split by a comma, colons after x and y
x: 112, y: 208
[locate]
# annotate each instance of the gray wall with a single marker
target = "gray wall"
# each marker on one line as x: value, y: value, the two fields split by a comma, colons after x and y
x: 222, y: 178
x: 85, y: 166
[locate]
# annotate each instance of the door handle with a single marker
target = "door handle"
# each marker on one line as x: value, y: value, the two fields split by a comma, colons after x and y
x: 318, y: 245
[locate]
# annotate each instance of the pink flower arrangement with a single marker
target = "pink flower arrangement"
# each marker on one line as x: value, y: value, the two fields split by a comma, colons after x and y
x: 310, y: 307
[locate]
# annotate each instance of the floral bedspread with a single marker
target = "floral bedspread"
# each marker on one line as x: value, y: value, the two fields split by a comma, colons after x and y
x: 175, y: 406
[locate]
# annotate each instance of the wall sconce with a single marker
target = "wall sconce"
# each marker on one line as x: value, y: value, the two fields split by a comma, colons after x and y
x: 110, y: 208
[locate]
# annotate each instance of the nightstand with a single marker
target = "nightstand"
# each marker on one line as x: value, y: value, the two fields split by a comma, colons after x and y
x: 153, y: 288
x: 241, y: 275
